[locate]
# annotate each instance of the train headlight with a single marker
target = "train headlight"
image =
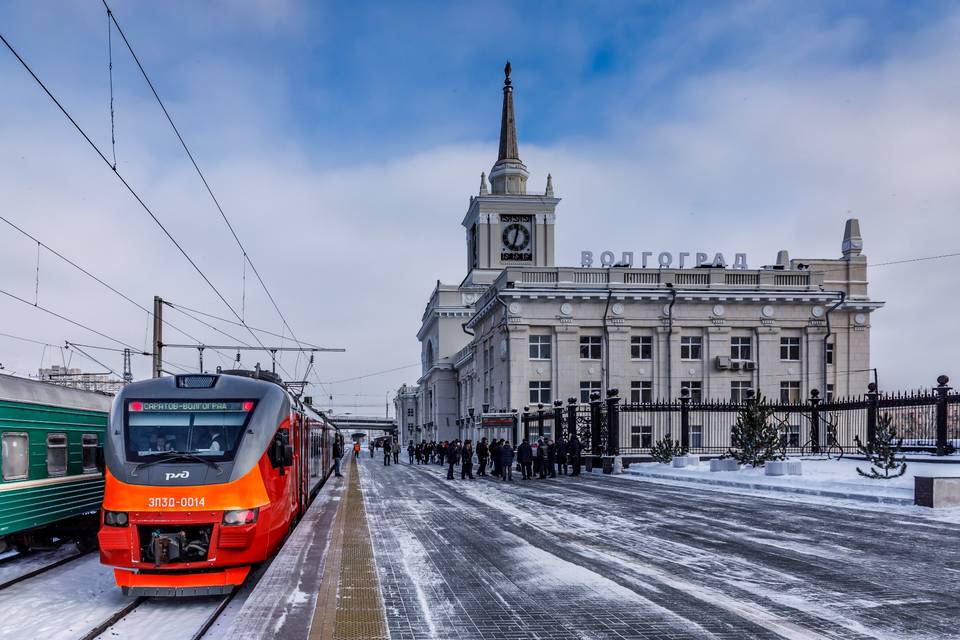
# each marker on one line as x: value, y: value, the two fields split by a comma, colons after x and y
x: 240, y: 516
x: 115, y: 518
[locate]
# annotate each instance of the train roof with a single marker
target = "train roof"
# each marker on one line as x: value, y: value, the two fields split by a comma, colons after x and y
x: 15, y: 389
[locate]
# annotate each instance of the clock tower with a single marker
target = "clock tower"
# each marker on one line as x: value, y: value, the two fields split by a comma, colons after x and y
x: 506, y: 226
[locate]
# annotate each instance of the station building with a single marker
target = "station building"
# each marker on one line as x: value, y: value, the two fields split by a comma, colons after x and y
x: 520, y: 330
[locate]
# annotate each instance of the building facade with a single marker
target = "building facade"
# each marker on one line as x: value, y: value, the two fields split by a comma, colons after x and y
x: 519, y: 330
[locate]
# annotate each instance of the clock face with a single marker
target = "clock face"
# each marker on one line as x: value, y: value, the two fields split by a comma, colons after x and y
x: 516, y: 238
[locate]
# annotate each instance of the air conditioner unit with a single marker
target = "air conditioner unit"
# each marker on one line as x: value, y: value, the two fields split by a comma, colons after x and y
x: 735, y: 365
x: 749, y: 366
x: 723, y: 362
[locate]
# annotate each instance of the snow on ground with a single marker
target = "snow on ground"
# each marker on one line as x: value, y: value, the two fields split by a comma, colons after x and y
x: 163, y: 618
x: 831, y: 478
x: 63, y: 603
x: 17, y: 566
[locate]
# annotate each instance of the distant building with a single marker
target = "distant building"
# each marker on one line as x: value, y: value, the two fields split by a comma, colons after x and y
x: 75, y: 378
x: 519, y: 330
x: 407, y: 407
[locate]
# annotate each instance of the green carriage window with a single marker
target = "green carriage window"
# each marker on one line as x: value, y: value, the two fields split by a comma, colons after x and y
x: 56, y: 454
x: 90, y: 442
x: 16, y: 457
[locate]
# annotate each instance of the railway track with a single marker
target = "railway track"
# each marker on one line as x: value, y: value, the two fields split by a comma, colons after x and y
x: 43, y: 569
x: 121, y: 624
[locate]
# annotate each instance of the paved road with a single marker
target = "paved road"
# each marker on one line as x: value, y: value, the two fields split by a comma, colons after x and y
x: 603, y: 558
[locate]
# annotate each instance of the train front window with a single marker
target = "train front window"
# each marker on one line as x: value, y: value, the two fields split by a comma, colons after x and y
x: 210, y: 429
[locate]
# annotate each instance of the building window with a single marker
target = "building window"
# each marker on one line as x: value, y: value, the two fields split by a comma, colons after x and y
x: 790, y: 436
x: 591, y: 347
x: 410, y: 412
x: 641, y: 347
x: 16, y: 456
x: 790, y: 349
x: 790, y: 391
x: 641, y: 392
x: 90, y: 442
x: 696, y: 436
x: 738, y: 390
x: 56, y: 454
x: 829, y: 353
x: 691, y: 348
x: 741, y: 348
x: 588, y: 387
x: 641, y: 436
x: 540, y: 392
x: 539, y: 347
x: 829, y: 393
x: 696, y: 390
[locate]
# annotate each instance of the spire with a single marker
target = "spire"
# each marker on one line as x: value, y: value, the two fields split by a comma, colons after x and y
x: 508, y: 125
x: 509, y: 175
x: 549, y: 191
x: 483, y: 183
x: 852, y: 240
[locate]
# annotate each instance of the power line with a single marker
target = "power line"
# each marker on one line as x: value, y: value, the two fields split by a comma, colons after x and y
x: 95, y: 278
x: 233, y: 322
x: 45, y: 344
x: 126, y: 184
x: 203, y: 178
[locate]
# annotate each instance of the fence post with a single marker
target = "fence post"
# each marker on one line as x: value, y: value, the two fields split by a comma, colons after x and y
x: 540, y: 420
x: 613, y: 422
x: 557, y: 419
x: 942, y: 389
x: 595, y: 420
x: 873, y: 402
x: 685, y: 419
x: 516, y: 428
x: 526, y: 423
x: 814, y: 421
x: 571, y: 417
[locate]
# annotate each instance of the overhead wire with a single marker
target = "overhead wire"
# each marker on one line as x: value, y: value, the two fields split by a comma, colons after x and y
x: 126, y: 184
x: 206, y: 184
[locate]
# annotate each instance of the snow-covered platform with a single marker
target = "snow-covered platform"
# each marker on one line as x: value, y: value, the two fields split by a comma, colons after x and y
x: 834, y: 479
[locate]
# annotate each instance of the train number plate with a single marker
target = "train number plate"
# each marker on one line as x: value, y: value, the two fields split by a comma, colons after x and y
x: 172, y: 503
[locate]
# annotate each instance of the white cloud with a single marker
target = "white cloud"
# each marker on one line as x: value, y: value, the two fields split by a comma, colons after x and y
x: 751, y: 159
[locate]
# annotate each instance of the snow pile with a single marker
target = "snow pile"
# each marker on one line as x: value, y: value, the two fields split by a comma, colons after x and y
x: 832, y: 478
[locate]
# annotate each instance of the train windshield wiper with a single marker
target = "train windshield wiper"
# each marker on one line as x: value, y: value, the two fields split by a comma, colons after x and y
x: 169, y: 456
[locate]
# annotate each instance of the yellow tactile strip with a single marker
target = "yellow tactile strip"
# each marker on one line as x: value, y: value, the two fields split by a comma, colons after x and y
x: 349, y: 603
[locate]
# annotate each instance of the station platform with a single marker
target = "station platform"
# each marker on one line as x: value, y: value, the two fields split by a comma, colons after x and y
x: 323, y: 583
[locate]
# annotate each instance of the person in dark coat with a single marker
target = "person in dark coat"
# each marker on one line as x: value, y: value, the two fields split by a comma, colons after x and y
x: 337, y: 454
x: 453, y: 452
x: 466, y: 459
x: 562, y: 468
x: 573, y: 452
x: 386, y: 453
x: 506, y: 461
x: 551, y: 457
x: 411, y: 452
x: 483, y: 454
x: 442, y: 452
x: 541, y: 459
x: 525, y: 458
x: 495, y: 457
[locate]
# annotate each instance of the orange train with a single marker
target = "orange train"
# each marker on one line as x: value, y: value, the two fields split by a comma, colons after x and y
x: 206, y: 474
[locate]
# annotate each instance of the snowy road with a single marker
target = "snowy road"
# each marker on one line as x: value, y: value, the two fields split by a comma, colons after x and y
x: 596, y: 557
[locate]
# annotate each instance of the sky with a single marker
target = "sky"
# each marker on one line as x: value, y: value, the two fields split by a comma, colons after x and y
x: 343, y: 141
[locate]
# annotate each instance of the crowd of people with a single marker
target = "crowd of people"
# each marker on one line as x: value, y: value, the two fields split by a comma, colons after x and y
x: 546, y: 458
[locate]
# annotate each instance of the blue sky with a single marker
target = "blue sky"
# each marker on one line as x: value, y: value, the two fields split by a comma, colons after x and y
x: 345, y: 138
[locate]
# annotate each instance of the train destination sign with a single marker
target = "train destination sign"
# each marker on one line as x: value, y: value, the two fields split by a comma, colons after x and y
x: 663, y: 259
x: 138, y: 405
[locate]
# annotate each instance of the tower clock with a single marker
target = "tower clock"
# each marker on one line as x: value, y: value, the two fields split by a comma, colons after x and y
x: 516, y: 238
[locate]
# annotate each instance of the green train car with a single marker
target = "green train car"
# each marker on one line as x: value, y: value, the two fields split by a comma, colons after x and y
x: 51, y: 483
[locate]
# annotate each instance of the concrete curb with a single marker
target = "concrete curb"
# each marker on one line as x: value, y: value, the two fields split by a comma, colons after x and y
x: 756, y: 486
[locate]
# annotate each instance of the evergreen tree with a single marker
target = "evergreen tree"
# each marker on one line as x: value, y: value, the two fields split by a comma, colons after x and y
x: 882, y: 452
x: 755, y: 440
x: 665, y: 449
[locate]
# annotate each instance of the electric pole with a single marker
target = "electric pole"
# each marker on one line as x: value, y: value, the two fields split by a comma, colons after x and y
x: 157, y: 336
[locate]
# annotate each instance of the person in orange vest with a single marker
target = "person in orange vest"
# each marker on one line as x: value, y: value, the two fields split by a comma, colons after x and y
x: 356, y: 449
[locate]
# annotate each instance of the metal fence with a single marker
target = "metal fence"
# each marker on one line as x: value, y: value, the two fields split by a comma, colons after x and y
x: 927, y: 421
